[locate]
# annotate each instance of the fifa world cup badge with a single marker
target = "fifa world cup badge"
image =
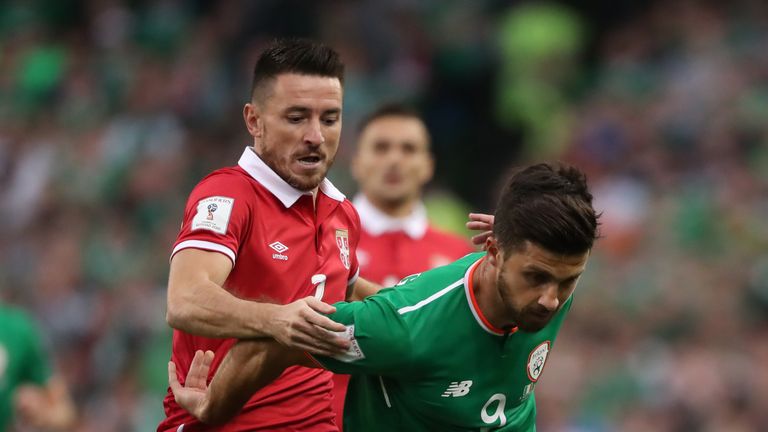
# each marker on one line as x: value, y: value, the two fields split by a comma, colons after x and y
x: 342, y: 241
x: 213, y: 214
x: 211, y: 208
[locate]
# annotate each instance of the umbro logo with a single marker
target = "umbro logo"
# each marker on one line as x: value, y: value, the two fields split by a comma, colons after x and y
x: 458, y: 389
x: 279, y: 248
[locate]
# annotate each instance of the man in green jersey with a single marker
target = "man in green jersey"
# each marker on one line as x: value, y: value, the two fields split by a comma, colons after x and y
x: 26, y: 383
x: 460, y: 347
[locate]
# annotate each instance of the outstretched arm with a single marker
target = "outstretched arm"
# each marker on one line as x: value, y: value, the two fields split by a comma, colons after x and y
x: 247, y: 367
x: 198, y: 304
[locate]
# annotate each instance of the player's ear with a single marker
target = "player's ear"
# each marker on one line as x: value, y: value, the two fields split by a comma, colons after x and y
x: 252, y: 118
x: 494, y: 251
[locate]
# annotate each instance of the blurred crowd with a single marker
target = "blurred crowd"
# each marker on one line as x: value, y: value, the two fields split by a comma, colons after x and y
x: 110, y: 111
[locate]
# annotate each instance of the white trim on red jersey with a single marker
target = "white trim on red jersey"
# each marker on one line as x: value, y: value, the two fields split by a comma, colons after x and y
x: 287, y: 194
x: 206, y: 245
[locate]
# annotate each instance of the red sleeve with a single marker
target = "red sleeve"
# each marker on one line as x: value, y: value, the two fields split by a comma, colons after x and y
x: 217, y: 215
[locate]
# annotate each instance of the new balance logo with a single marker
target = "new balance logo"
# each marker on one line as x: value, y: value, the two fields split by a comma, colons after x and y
x: 279, y: 248
x: 458, y: 389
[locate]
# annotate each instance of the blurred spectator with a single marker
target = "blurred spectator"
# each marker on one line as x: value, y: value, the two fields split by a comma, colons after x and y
x: 27, y: 387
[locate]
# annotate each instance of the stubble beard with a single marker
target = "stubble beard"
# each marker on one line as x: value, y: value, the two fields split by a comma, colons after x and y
x: 305, y: 184
x: 515, y: 314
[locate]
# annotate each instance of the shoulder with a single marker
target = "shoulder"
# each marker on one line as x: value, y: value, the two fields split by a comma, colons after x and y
x: 17, y: 319
x: 226, y: 179
x: 350, y: 213
x: 427, y: 286
x: 452, y: 271
x: 225, y: 187
x: 348, y: 208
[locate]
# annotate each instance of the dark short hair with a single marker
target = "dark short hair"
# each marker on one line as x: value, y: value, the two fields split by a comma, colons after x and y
x: 391, y: 109
x: 295, y: 55
x: 548, y: 205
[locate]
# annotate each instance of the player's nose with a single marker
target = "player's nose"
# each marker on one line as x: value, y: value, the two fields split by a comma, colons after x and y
x: 314, y: 133
x: 549, y: 298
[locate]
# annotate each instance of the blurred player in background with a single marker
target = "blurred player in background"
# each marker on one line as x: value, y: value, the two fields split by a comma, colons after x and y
x: 392, y: 164
x: 460, y: 347
x: 26, y: 384
x: 265, y: 243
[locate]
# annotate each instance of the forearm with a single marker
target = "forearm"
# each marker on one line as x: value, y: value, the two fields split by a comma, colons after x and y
x: 361, y: 289
x: 248, y: 366
x: 206, y: 309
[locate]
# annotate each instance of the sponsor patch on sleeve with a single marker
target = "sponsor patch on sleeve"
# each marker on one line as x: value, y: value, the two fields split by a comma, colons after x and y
x: 354, y: 353
x: 213, y: 214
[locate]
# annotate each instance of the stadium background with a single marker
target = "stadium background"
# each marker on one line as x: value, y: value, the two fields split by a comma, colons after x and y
x: 110, y: 111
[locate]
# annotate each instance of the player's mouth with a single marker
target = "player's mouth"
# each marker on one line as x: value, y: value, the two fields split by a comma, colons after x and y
x: 392, y: 178
x: 310, y: 161
x: 541, y: 316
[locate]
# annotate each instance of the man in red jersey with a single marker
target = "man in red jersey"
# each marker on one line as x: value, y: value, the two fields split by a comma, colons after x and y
x: 392, y: 164
x: 265, y: 244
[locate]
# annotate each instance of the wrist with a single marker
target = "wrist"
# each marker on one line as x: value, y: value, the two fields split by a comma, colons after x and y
x: 265, y: 320
x: 203, y: 412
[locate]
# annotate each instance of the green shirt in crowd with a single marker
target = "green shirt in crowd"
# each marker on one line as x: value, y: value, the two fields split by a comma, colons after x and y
x: 22, y: 359
x: 424, y: 358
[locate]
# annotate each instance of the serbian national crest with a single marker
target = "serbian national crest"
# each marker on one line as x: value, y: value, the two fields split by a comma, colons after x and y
x: 536, y: 360
x: 342, y: 241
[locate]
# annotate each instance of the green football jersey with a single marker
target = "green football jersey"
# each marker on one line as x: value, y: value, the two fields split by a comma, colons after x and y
x: 424, y: 358
x: 21, y: 358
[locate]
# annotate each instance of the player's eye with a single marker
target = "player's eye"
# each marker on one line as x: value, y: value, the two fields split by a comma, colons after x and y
x: 537, y: 279
x: 380, y: 147
x: 331, y: 120
x: 568, y: 283
x: 295, y: 119
x: 409, y: 148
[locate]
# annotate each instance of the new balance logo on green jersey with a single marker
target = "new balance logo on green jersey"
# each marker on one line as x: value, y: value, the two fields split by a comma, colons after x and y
x: 458, y: 389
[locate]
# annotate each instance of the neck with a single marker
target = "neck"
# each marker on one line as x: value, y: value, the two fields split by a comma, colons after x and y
x: 314, y: 196
x: 487, y: 295
x: 394, y: 208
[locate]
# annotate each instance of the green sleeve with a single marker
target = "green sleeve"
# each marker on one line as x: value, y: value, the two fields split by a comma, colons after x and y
x: 36, y: 368
x: 380, y: 338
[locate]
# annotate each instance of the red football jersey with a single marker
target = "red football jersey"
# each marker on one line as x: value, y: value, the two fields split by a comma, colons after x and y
x: 393, y: 248
x: 279, y: 242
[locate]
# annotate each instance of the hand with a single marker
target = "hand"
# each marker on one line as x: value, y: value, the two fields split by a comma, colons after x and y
x: 193, y: 396
x: 480, y: 222
x: 303, y: 325
x: 31, y: 403
x: 47, y: 407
